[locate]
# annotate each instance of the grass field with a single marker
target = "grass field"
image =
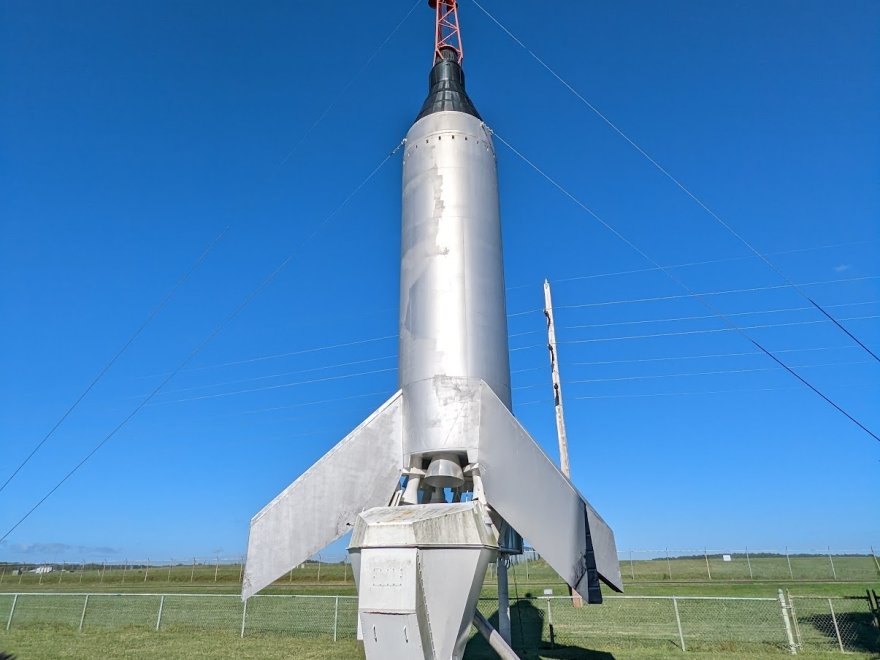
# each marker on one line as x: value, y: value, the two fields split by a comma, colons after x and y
x: 711, y: 569
x: 123, y: 627
x: 50, y: 643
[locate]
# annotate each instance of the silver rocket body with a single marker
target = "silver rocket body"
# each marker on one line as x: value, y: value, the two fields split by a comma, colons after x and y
x: 453, y: 319
x: 442, y: 478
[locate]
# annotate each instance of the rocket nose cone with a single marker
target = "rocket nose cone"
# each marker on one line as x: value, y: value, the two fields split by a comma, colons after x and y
x: 446, y: 90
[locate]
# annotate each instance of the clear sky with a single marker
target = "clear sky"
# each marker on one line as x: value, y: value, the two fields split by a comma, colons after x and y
x: 133, y: 133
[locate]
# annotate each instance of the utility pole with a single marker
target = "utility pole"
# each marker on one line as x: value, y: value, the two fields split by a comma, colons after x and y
x: 557, y: 385
x: 564, y: 465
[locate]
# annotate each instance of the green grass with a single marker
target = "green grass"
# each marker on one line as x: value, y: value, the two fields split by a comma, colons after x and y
x: 54, y: 643
x: 652, y: 576
x: 46, y: 626
x: 224, y: 578
x: 639, y: 625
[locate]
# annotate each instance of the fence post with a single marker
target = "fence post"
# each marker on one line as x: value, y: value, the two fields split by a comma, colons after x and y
x: 876, y: 563
x: 345, y: 571
x: 103, y: 568
x: 706, y: 555
x: 161, y: 607
x: 124, y: 570
x: 147, y: 570
x: 335, y: 618
x: 794, y: 619
x: 836, y: 628
x: 787, y: 622
x: 678, y: 623
x: 243, y: 617
x: 2, y: 575
x: 831, y: 561
x: 749, y: 562
x: 216, y: 567
x: 82, y: 617
x: 82, y: 569
x: 632, y: 568
x: 170, y: 566
x: 241, y: 571
x: 11, y: 612
x: 192, y: 573
x: 788, y: 559
x: 319, y: 569
x: 550, y: 625
x: 668, y: 564
x: 61, y: 572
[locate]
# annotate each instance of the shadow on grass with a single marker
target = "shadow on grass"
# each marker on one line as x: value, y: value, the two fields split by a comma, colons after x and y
x: 529, y: 639
x: 858, y: 630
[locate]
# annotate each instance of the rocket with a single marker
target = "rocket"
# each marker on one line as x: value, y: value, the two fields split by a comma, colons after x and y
x: 441, y: 480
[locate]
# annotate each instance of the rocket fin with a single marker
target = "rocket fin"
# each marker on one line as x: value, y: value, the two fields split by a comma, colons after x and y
x: 555, y: 518
x: 359, y: 473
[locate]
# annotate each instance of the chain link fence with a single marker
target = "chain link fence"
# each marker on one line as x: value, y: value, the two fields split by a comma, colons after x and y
x: 835, y: 624
x: 333, y: 617
x: 675, y: 623
x: 745, y: 565
x: 635, y: 565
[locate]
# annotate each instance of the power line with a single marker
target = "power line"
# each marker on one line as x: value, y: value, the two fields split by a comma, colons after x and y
x: 709, y: 330
x: 681, y: 333
x: 741, y: 390
x: 306, y: 404
x: 753, y: 289
x: 336, y: 99
x: 717, y: 372
x: 325, y: 367
x: 691, y: 393
x: 280, y: 386
x: 219, y: 328
x: 152, y: 315
x: 725, y: 292
x: 315, y: 349
x: 722, y: 260
x: 305, y: 351
x: 682, y: 187
x: 348, y: 85
x: 702, y: 357
x: 698, y: 318
x: 699, y: 297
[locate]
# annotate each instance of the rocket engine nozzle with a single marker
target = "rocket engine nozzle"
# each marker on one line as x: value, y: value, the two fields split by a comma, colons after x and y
x: 444, y: 471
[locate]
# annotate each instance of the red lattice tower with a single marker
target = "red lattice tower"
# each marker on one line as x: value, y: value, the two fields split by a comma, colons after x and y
x: 447, y: 41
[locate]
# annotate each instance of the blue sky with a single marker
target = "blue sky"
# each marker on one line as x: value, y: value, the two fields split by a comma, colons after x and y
x: 133, y: 134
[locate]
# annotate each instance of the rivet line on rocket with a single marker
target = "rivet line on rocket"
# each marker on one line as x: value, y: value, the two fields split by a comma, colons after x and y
x: 691, y: 293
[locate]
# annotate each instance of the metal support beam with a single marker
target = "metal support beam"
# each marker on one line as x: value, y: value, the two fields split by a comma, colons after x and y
x: 501, y: 647
x: 503, y: 599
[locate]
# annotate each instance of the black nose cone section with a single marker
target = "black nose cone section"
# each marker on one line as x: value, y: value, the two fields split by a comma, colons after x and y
x: 447, y: 91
